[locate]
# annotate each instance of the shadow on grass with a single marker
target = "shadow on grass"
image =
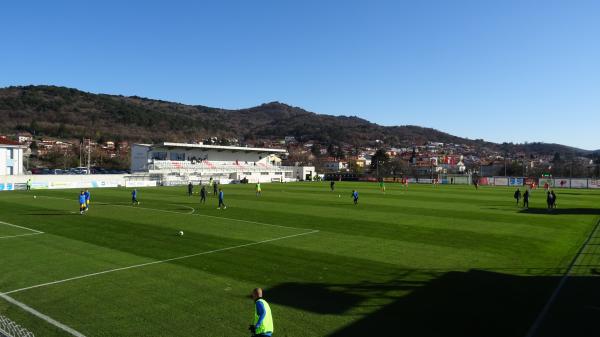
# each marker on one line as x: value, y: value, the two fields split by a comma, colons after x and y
x: 562, y: 211
x: 462, y: 304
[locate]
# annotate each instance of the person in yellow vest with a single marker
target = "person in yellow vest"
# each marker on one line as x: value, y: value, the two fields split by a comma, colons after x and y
x: 258, y: 189
x: 263, y: 321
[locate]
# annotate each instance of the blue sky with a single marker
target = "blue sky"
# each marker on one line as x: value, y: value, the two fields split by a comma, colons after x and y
x: 498, y: 70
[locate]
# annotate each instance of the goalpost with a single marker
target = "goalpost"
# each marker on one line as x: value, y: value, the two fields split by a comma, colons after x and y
x: 9, y: 328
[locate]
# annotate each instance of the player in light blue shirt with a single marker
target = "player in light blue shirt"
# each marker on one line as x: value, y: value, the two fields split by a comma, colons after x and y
x: 355, y: 196
x: 221, y: 200
x: 82, y: 204
x: 134, y: 200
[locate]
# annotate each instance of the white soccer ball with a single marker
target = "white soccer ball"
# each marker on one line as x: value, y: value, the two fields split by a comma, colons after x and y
x: 35, y: 197
x: 339, y: 195
x: 180, y: 233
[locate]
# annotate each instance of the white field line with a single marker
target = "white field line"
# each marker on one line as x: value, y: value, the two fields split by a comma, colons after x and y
x: 35, y: 232
x: 17, y: 226
x: 158, y: 262
x: 195, y: 214
x: 542, y: 315
x: 18, y: 236
x: 38, y: 314
x: 188, y: 207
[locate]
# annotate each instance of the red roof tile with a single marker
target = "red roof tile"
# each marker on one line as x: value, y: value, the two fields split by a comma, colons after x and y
x: 6, y: 141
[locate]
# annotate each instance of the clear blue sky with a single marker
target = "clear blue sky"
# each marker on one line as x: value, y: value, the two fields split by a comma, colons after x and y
x: 499, y: 70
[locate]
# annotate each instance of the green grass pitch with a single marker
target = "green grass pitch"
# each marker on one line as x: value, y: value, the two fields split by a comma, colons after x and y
x: 426, y: 261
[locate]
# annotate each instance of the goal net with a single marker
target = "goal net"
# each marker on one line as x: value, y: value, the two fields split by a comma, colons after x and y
x: 9, y: 328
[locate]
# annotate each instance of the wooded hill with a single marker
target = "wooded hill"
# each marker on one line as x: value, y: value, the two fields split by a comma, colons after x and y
x: 71, y: 113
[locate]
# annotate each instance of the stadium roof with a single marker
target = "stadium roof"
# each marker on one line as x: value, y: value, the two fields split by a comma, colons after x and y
x: 219, y: 147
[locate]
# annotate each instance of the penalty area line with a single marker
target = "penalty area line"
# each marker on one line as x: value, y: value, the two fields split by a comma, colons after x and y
x: 157, y: 262
x: 21, y: 227
x: 18, y: 236
x: 44, y: 317
x: 35, y: 232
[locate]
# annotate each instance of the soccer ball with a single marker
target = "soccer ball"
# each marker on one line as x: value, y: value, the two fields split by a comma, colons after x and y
x: 180, y: 233
x: 35, y: 196
x: 339, y: 195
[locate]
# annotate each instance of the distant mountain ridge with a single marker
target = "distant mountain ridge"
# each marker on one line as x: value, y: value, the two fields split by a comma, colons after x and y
x: 71, y: 113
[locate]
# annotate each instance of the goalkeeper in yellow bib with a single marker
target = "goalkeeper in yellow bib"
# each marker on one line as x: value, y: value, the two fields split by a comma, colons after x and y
x: 263, y: 321
x: 258, y: 190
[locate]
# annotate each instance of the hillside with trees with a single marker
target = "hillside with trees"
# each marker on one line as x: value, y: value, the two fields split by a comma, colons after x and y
x: 70, y: 113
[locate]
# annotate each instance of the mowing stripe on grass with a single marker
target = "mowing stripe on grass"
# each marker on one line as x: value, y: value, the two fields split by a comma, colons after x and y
x: 42, y: 316
x: 542, y: 315
x: 158, y: 262
x: 192, y: 213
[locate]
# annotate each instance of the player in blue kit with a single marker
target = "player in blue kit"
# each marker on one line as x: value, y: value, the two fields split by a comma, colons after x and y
x: 134, y: 200
x: 82, y: 204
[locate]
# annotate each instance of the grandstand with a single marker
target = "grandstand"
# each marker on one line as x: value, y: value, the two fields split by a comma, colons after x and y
x: 177, y: 163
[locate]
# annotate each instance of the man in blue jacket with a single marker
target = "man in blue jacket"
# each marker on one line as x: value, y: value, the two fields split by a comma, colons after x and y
x: 221, y: 199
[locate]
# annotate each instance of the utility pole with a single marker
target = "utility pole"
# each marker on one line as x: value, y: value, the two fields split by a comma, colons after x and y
x: 89, y: 155
x: 80, y: 145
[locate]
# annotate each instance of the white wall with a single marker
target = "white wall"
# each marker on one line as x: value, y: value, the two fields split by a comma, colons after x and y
x: 63, y: 181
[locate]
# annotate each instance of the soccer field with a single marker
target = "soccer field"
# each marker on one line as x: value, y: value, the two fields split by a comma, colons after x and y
x: 426, y: 261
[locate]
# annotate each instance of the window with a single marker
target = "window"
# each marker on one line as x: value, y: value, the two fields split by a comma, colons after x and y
x: 11, y: 153
x: 177, y: 156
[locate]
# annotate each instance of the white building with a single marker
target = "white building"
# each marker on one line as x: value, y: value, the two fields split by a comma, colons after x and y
x: 11, y: 157
x: 305, y: 173
x: 174, y: 163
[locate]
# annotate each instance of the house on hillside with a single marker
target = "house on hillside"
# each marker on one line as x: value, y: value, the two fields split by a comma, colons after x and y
x: 336, y: 166
x: 11, y: 157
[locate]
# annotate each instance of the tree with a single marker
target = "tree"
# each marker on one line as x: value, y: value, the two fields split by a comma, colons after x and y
x: 316, y: 150
x: 380, y: 163
x: 62, y: 130
x: 556, y: 158
x: 331, y: 150
x: 33, y: 127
